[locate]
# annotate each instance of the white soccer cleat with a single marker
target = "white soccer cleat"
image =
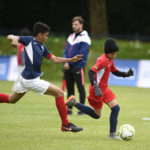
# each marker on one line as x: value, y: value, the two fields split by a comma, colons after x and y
x: 114, y: 136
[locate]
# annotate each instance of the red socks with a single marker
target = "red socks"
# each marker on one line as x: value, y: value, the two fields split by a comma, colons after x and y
x: 4, y: 98
x: 61, y: 107
x: 63, y: 85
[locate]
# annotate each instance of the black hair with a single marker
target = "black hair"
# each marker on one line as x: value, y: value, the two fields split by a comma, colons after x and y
x: 25, y: 32
x: 40, y: 27
x: 110, y: 46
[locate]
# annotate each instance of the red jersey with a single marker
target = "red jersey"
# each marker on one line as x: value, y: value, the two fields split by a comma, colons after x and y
x: 102, y: 68
x: 20, y: 54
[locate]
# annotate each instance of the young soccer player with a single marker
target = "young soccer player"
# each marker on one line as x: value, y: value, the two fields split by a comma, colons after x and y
x: 99, y: 91
x: 29, y: 79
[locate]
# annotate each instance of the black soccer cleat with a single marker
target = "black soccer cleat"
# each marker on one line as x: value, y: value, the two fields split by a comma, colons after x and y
x: 71, y: 128
x: 69, y: 111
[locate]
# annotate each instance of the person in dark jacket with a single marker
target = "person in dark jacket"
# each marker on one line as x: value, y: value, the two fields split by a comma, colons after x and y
x: 77, y: 43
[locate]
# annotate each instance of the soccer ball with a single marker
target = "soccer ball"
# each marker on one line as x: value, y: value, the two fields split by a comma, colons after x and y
x: 126, y: 132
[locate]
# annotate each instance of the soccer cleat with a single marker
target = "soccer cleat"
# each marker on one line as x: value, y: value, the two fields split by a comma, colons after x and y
x: 69, y: 111
x: 71, y: 101
x: 71, y: 128
x: 80, y: 113
x: 114, y: 136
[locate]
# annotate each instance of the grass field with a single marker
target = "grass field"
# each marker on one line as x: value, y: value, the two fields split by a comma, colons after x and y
x: 34, y: 124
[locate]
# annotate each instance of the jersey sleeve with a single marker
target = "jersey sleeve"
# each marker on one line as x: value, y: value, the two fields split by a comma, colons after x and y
x: 113, y: 68
x: 25, y: 40
x: 47, y: 53
x: 99, y: 65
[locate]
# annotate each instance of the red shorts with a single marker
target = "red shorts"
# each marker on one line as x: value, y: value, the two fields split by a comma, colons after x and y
x: 97, y: 101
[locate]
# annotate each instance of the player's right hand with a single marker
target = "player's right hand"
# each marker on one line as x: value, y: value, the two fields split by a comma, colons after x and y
x: 97, y: 89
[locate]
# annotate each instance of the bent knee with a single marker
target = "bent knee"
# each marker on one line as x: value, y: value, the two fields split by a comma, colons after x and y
x: 116, y: 109
x: 59, y: 93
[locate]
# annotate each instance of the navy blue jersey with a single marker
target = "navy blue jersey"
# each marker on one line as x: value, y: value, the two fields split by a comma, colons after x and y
x: 34, y: 52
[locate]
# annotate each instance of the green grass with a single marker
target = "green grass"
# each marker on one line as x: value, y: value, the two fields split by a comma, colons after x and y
x: 34, y: 124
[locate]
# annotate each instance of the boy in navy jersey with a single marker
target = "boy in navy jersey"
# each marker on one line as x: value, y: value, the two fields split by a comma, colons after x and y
x: 29, y: 79
x: 99, y: 92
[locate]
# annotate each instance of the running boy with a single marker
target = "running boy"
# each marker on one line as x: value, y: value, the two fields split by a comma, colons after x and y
x: 99, y: 91
x: 30, y: 77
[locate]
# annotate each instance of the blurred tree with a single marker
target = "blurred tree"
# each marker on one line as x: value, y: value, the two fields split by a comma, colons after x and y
x: 98, y: 17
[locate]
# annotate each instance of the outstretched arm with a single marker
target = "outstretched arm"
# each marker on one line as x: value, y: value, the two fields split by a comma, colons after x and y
x: 56, y: 59
x: 14, y: 40
x: 123, y: 74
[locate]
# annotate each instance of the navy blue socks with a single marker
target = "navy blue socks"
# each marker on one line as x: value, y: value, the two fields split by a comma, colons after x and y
x: 113, y: 118
x: 87, y: 110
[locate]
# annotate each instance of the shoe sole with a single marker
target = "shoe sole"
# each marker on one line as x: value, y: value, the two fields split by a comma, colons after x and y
x: 69, y: 130
x: 111, y: 138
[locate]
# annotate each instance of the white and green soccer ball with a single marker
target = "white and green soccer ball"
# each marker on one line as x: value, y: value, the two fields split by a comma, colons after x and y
x: 126, y: 132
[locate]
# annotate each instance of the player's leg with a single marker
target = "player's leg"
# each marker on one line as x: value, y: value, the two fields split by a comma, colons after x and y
x: 114, y: 115
x: 94, y: 113
x: 61, y: 107
x: 109, y: 99
x: 20, y: 90
x: 5, y: 98
x: 15, y: 97
x: 79, y: 79
x: 70, y: 87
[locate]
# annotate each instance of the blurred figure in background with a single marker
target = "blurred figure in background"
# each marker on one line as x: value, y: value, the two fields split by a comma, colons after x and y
x: 63, y: 86
x: 20, y: 53
x: 77, y: 43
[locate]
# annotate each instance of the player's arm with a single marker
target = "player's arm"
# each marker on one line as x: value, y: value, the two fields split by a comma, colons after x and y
x: 123, y: 74
x: 97, y: 89
x: 14, y: 40
x: 56, y: 59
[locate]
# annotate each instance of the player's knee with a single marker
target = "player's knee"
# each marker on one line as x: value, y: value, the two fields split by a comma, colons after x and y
x: 116, y: 109
x: 60, y: 93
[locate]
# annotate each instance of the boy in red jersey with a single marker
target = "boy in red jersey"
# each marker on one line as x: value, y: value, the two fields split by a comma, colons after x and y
x: 99, y: 91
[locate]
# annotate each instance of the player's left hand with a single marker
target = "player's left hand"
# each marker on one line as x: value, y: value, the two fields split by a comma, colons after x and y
x: 97, y: 89
x: 77, y: 58
x: 130, y: 73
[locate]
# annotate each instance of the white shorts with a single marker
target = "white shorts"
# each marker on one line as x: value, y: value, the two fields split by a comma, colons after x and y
x: 37, y: 85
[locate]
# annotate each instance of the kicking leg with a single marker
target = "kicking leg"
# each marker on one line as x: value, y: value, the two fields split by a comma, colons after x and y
x: 94, y: 113
x: 5, y: 98
x: 61, y: 107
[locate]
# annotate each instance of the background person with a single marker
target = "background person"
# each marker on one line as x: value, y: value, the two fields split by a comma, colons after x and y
x: 77, y: 43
